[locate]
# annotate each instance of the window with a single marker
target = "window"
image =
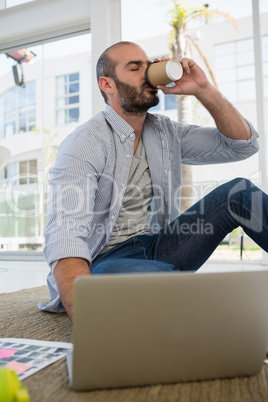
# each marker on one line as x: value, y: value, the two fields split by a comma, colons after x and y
x: 18, y: 110
x: 67, y: 99
x: 170, y: 102
x: 52, y: 87
x: 166, y: 102
x: 24, y: 172
x: 235, y: 71
x: 11, y: 170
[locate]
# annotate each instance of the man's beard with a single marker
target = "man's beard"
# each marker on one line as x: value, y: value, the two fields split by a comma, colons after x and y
x: 133, y: 100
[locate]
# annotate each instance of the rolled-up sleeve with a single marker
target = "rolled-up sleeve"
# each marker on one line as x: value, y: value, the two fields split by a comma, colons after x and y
x: 207, y: 145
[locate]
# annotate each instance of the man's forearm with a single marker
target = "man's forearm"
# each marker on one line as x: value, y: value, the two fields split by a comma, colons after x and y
x: 65, y: 272
x: 194, y: 82
x: 227, y: 119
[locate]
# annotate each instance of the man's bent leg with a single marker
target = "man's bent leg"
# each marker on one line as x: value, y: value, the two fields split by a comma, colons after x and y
x: 130, y: 265
x: 190, y: 240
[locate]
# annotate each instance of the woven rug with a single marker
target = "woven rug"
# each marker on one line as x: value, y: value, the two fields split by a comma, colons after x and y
x: 20, y: 318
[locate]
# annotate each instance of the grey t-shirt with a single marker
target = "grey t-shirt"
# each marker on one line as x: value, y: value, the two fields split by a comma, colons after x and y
x: 135, y: 211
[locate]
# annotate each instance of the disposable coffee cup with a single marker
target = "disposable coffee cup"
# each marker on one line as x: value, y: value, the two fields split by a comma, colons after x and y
x: 163, y: 73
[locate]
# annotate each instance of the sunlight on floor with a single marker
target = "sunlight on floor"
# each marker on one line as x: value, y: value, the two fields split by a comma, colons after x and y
x: 17, y: 275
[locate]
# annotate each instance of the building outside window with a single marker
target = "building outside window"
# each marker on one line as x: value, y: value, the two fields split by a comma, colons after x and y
x: 67, y: 99
x: 235, y: 71
x: 24, y: 172
x: 166, y: 102
x: 11, y: 170
x: 18, y: 110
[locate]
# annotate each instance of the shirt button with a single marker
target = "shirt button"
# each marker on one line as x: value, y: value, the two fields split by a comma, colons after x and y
x: 132, y: 136
x: 112, y: 218
x: 166, y: 172
x: 123, y: 137
x: 128, y: 155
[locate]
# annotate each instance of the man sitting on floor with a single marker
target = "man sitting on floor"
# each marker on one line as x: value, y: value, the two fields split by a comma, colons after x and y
x: 115, y: 187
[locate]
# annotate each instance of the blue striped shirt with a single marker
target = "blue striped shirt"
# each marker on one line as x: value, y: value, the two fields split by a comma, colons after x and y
x: 91, y: 172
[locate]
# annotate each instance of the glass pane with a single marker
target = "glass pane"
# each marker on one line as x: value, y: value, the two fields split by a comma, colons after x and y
x: 23, y: 172
x: 246, y: 90
x: 31, y: 114
x: 227, y: 75
x: 9, y: 129
x: 31, y: 93
x: 74, y: 88
x: 225, y: 49
x: 33, y: 171
x: 229, y: 90
x: 33, y: 166
x: 265, y: 53
x: 55, y: 67
x: 60, y: 117
x: 22, y: 96
x: 16, y: 108
x: 22, y: 122
x: 245, y: 58
x: 245, y: 72
x: 74, y: 77
x: 244, y: 45
x: 265, y: 68
x: 60, y: 86
x: 265, y: 41
x: 223, y: 62
x: 73, y: 115
x: 60, y: 102
x: 73, y: 99
x: 10, y: 100
x: 11, y: 170
x: 170, y: 102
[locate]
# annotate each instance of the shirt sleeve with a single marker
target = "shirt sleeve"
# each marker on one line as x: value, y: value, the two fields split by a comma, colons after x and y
x: 207, y: 145
x: 53, y: 266
x: 73, y: 185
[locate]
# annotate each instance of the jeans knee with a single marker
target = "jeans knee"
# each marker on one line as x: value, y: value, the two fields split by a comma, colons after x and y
x: 240, y: 187
x: 243, y: 193
x: 131, y: 265
x: 241, y: 181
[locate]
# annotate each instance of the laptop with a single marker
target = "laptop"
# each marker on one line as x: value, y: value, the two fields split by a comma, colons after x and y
x: 143, y: 329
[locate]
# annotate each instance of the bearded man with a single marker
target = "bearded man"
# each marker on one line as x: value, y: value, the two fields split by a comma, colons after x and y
x: 115, y: 187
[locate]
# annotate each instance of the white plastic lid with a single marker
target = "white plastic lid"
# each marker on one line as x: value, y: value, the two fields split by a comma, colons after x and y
x: 174, y: 70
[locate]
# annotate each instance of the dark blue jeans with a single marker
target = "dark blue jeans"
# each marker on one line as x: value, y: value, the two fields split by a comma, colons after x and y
x: 187, y: 242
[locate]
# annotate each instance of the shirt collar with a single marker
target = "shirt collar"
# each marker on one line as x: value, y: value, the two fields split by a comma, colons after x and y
x: 121, y: 127
x: 152, y: 120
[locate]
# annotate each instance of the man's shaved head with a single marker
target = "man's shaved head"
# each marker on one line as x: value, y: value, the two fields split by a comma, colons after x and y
x: 106, y: 65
